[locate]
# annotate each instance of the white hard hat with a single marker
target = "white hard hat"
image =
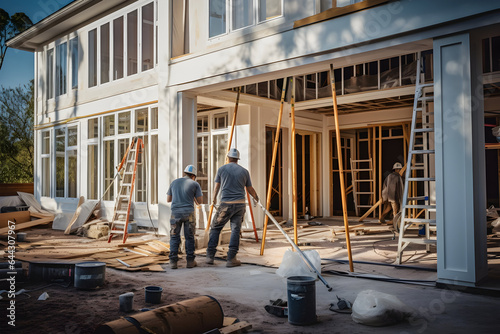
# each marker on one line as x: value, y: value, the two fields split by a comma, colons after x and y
x: 190, y: 169
x: 233, y: 153
x: 397, y: 165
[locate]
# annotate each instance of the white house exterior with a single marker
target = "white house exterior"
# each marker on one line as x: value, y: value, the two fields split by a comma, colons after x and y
x: 106, y: 71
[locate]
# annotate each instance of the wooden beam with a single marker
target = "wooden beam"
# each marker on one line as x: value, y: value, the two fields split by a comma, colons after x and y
x: 341, y: 167
x: 294, y: 166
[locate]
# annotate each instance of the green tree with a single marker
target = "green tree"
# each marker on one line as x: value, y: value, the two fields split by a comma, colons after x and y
x: 9, y: 27
x: 16, y: 134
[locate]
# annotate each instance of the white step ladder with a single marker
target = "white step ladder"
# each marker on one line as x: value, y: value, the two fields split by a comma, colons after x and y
x: 123, y: 201
x: 362, y: 180
x: 417, y: 205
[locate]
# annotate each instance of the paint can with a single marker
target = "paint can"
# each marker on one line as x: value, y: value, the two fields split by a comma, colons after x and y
x: 126, y: 302
x: 301, y: 294
x: 89, y: 275
x: 153, y: 294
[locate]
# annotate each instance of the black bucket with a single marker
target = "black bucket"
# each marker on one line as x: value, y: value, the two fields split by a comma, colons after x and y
x: 301, y: 294
x: 153, y: 294
x: 89, y: 275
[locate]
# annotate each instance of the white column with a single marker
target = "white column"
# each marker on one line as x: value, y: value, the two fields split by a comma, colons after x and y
x: 460, y: 161
x: 187, y: 131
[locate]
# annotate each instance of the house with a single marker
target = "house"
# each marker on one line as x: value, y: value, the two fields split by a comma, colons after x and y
x: 169, y: 71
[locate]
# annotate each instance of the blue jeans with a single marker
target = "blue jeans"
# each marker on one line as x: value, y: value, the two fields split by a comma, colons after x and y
x: 226, y: 212
x: 177, y: 220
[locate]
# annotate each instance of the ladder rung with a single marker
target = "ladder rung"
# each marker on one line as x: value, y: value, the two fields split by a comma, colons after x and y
x: 419, y: 220
x: 361, y: 170
x: 418, y: 240
x: 422, y: 179
x: 424, y: 130
x: 425, y: 85
x: 419, y: 206
x: 121, y: 212
x: 426, y: 98
x: 126, y: 184
x: 422, y: 151
x: 364, y: 193
x: 117, y: 232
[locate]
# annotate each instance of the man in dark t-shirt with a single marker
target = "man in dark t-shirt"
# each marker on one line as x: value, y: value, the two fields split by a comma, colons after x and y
x: 232, y: 180
x: 182, y: 192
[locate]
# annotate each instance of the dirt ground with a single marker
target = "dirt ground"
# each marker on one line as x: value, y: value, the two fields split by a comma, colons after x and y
x: 244, y: 291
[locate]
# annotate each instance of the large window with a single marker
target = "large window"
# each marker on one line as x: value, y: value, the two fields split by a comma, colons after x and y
x: 148, y: 29
x: 92, y: 59
x: 50, y: 73
x: 105, y: 60
x: 45, y: 156
x: 244, y: 13
x: 118, y: 47
x: 61, y: 68
x: 132, y: 42
x: 93, y: 159
x: 66, y: 171
x: 212, y: 146
x: 73, y: 47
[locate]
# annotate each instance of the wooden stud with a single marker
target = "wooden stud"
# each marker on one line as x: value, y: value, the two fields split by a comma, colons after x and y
x: 294, y: 166
x: 341, y: 168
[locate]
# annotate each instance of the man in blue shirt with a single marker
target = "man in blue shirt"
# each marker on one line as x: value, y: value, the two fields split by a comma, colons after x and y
x: 182, y: 192
x: 231, y: 179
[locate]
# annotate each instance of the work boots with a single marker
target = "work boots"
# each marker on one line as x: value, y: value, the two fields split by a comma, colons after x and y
x: 173, y: 264
x: 210, y: 260
x: 191, y: 263
x: 234, y: 262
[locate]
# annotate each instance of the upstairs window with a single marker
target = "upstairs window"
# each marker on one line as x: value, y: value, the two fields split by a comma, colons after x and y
x: 73, y: 47
x: 243, y: 13
x: 61, y: 68
x: 50, y: 73
x: 92, y: 60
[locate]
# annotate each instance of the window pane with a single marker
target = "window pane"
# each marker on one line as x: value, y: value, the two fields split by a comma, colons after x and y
x: 217, y: 18
x: 147, y: 36
x: 220, y: 121
x: 59, y: 174
x: 72, y: 173
x: 61, y: 68
x: 46, y: 142
x: 141, y: 120
x: 50, y: 73
x: 154, y: 118
x: 203, y: 156
x: 495, y: 53
x: 105, y: 53
x: 73, y: 46
x: 154, y: 169
x: 92, y: 58
x: 242, y: 13
x: 93, y: 128
x: 72, y: 136
x: 124, y: 122
x: 118, y: 48
x: 203, y: 124
x: 219, y: 152
x: 109, y: 125
x: 325, y: 4
x: 109, y: 168
x: 46, y: 176
x: 140, y: 176
x: 132, y: 42
x: 92, y: 164
x: 60, y: 140
x: 269, y: 9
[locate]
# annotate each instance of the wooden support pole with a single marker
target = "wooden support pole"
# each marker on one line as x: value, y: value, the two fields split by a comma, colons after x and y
x: 341, y: 168
x: 380, y: 165
x: 273, y: 162
x: 294, y: 168
x: 233, y: 123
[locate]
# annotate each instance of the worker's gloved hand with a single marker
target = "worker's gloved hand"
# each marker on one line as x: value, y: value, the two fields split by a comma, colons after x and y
x: 255, y: 201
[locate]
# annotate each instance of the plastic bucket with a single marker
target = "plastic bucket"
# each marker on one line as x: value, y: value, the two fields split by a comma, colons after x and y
x: 301, y: 293
x: 126, y: 302
x: 89, y: 275
x: 153, y: 294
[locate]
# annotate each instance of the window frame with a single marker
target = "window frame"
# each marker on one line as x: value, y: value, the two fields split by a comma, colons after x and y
x: 66, y: 154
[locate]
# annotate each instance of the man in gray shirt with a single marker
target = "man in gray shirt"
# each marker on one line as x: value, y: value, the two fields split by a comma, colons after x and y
x: 231, y: 179
x: 182, y: 192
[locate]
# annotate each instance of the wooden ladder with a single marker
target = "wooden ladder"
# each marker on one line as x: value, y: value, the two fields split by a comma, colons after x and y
x: 417, y: 206
x: 362, y: 177
x: 123, y: 201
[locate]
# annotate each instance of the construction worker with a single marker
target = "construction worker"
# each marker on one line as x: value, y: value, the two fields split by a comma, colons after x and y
x: 392, y: 192
x: 231, y: 179
x: 181, y: 193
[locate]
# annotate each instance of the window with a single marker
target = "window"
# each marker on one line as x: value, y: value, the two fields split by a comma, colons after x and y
x: 73, y: 47
x: 93, y: 159
x: 109, y: 169
x: 105, y: 60
x: 61, y: 68
x: 244, y: 13
x: 92, y: 60
x: 141, y: 120
x: 132, y: 42
x: 109, y: 125
x: 50, y: 73
x: 118, y: 46
x: 124, y: 122
x: 66, y: 173
x: 45, y: 186
x: 147, y: 36
x: 211, y: 150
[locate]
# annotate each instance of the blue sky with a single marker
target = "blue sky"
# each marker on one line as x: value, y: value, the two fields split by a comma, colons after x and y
x: 18, y: 66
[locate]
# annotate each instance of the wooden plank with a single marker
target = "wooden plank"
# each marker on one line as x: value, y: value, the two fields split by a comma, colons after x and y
x: 19, y: 216
x: 239, y: 327
x: 22, y: 226
x: 134, y: 243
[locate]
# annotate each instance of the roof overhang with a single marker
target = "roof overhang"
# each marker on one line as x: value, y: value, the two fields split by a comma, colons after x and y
x: 64, y: 20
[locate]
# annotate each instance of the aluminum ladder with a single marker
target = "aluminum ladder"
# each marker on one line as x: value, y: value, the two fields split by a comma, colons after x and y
x: 360, y: 168
x: 417, y: 205
x: 123, y: 201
